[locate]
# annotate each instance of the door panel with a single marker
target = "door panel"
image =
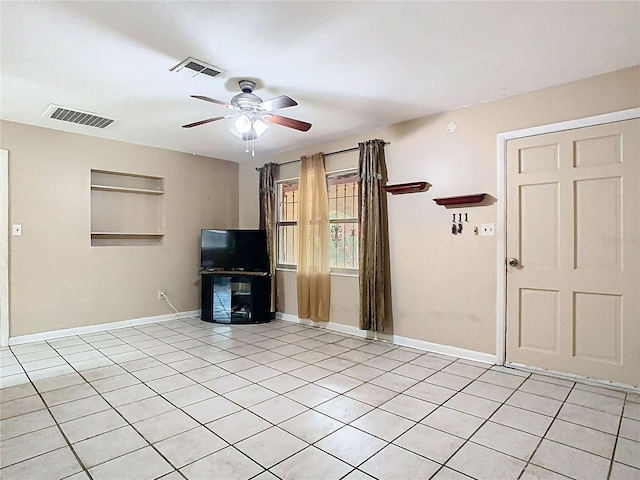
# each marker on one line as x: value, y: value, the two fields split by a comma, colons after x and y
x: 542, y: 158
x: 598, y: 151
x: 598, y: 205
x: 539, y: 206
x: 539, y: 320
x: 573, y: 221
x: 597, y: 327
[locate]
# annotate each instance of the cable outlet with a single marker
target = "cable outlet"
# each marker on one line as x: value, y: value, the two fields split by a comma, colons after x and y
x: 162, y: 294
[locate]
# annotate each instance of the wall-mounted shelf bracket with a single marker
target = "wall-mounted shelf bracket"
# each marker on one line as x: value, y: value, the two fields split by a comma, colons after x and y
x: 460, y: 200
x: 401, y: 188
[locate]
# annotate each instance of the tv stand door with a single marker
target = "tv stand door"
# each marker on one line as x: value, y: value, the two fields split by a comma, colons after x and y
x: 222, y: 299
x: 235, y: 298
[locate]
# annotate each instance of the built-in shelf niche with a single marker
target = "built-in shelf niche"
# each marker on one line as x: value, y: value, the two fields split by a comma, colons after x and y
x: 126, y: 209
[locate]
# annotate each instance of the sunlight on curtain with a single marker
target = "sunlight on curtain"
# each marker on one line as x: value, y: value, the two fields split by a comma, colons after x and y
x: 313, y: 279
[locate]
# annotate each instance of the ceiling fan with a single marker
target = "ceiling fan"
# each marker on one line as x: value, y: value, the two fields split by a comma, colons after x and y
x: 251, y: 113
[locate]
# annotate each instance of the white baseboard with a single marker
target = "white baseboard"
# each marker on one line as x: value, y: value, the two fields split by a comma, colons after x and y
x: 482, y: 357
x: 101, y: 327
x: 576, y: 378
x: 336, y: 327
x: 396, y: 339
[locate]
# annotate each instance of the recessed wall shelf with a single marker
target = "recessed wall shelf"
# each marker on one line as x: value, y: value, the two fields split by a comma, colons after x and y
x: 124, y: 234
x: 401, y: 188
x: 460, y: 200
x: 127, y: 209
x: 111, y: 188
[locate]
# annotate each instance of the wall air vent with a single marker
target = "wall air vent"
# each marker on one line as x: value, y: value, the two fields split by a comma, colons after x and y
x: 197, y: 66
x: 79, y: 117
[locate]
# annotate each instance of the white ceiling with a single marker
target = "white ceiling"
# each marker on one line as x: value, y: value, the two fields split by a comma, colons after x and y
x: 351, y: 66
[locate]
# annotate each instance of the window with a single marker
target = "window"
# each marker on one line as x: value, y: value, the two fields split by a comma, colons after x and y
x: 342, y: 190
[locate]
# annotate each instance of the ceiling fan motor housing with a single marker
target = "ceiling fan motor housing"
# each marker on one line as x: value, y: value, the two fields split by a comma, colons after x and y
x: 246, y: 101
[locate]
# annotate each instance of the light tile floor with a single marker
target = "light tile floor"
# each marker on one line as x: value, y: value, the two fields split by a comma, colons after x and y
x: 188, y: 399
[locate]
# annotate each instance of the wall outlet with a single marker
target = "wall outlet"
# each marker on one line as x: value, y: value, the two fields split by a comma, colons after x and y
x: 487, y: 230
x: 162, y: 294
x: 16, y: 229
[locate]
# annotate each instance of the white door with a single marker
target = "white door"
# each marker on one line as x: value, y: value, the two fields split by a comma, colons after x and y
x: 573, y: 237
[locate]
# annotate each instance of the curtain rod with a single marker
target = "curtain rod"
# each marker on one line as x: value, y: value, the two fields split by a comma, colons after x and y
x: 352, y: 149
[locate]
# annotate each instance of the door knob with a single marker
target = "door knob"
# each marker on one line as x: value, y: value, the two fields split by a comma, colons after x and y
x: 513, y: 262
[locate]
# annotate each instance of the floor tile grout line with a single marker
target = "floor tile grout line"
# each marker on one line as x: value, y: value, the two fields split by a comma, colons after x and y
x: 178, y: 372
x: 131, y: 373
x: 402, y: 363
x: 64, y: 436
x: 101, y: 433
x: 144, y: 382
x: 468, y: 439
x: 197, y: 421
x: 415, y: 423
x: 544, y: 436
x: 379, y: 407
x: 615, y: 443
x: 252, y: 354
x: 275, y: 425
x: 152, y: 445
x: 128, y: 423
x: 307, y: 448
x: 548, y: 428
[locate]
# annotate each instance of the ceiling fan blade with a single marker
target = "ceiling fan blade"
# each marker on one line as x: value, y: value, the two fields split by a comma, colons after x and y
x: 288, y: 122
x: 213, y: 100
x: 202, y: 122
x: 279, y: 102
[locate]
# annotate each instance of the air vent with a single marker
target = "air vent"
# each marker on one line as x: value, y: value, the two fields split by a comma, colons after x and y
x: 197, y: 66
x: 77, y: 116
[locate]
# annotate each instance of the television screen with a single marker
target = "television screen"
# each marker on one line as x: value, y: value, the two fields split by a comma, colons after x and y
x: 234, y: 250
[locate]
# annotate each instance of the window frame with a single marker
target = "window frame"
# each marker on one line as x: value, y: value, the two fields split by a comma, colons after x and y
x: 350, y: 272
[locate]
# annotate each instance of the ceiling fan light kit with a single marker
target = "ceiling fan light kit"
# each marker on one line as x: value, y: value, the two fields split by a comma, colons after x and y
x: 252, y: 113
x: 242, y: 123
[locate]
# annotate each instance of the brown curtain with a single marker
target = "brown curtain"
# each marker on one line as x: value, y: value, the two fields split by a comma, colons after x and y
x: 268, y: 222
x: 375, y: 284
x: 313, y: 279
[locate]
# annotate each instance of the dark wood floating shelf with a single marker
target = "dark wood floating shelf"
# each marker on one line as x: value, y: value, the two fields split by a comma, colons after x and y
x: 412, y: 187
x: 460, y: 200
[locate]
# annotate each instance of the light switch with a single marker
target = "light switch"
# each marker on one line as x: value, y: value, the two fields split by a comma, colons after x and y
x: 17, y: 230
x: 487, y: 230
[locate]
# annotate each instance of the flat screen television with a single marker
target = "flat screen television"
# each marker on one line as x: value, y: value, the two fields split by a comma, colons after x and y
x: 234, y: 250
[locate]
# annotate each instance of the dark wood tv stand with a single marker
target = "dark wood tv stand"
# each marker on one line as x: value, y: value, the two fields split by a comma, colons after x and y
x: 236, y: 296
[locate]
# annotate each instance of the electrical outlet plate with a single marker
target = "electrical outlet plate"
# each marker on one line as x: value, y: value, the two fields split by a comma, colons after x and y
x: 161, y: 294
x: 487, y: 230
x: 16, y: 229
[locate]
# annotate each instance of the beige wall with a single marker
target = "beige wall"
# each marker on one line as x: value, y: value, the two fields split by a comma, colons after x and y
x: 57, y: 280
x: 444, y: 286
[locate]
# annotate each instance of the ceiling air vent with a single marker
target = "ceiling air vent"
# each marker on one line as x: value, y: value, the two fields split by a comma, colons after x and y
x: 77, y: 116
x: 197, y: 66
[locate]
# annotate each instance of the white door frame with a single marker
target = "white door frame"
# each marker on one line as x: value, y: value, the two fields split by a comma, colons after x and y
x: 4, y: 248
x: 501, y: 231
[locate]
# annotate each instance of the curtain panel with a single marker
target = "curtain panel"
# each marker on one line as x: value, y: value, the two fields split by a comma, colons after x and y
x: 313, y: 277
x: 268, y: 222
x: 375, y: 278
